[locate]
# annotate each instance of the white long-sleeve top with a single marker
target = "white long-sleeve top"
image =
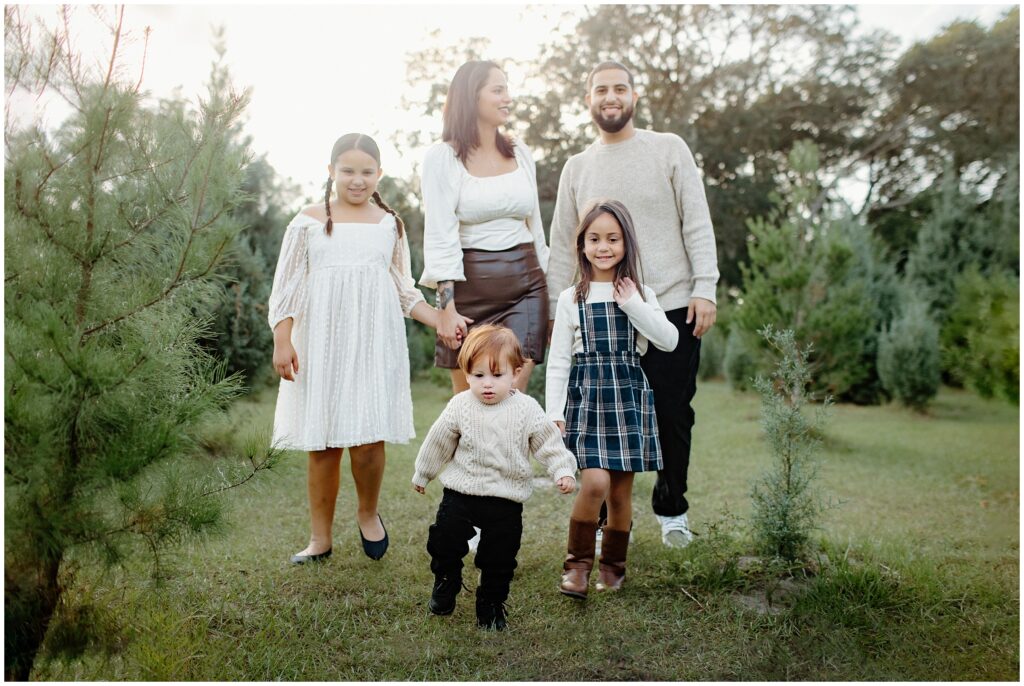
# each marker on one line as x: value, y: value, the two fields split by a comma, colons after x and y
x: 481, y: 449
x: 466, y: 212
x: 647, y: 318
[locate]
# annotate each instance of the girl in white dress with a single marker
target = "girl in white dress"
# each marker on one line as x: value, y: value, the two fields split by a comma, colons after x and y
x: 341, y: 288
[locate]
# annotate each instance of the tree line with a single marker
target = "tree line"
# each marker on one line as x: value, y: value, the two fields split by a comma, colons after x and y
x: 932, y: 133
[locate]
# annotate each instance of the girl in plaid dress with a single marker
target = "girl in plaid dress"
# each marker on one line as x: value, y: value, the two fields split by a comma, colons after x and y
x: 597, y: 393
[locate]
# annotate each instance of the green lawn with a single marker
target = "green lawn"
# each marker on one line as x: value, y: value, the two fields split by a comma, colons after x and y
x: 923, y: 581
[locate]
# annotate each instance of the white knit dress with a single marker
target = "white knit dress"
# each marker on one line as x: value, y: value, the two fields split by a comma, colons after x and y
x: 347, y: 294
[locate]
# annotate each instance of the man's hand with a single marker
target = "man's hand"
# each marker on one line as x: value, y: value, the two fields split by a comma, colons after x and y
x: 704, y: 311
x: 566, y: 484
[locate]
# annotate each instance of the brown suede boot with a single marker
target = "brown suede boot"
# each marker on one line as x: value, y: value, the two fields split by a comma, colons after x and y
x: 612, y: 570
x: 579, y: 560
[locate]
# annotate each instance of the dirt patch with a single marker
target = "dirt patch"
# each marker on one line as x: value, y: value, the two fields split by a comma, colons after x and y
x: 783, y: 596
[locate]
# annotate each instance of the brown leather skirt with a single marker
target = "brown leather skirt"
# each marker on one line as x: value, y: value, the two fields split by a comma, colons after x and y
x: 504, y: 287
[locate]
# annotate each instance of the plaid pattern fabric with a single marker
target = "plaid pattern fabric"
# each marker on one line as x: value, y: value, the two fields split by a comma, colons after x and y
x: 610, y: 421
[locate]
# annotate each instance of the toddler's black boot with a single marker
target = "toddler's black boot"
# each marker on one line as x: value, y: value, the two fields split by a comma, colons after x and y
x: 446, y: 589
x: 490, y: 614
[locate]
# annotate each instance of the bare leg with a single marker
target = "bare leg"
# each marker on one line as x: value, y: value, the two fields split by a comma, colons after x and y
x: 620, y: 501
x: 322, y: 485
x: 459, y: 383
x: 368, y: 473
x: 524, y: 376
x: 593, y: 490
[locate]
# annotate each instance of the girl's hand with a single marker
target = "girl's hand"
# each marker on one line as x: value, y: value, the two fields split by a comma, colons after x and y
x: 561, y: 428
x: 419, y: 489
x: 286, y: 362
x: 452, y: 327
x: 624, y: 290
x: 566, y: 484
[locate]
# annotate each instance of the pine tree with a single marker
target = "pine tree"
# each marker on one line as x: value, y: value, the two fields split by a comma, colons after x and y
x: 962, y: 231
x: 821, y: 277
x: 908, y: 355
x: 115, y: 228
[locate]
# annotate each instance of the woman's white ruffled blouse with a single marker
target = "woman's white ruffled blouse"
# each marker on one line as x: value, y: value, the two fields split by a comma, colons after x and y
x: 347, y: 294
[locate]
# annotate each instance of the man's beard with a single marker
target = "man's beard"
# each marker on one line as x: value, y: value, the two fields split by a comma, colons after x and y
x: 612, y: 126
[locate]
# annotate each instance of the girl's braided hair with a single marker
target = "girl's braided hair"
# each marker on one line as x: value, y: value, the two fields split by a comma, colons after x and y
x: 363, y: 143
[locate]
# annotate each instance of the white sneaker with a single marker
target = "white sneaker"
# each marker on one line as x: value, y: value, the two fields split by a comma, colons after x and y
x: 675, y: 531
x: 475, y: 541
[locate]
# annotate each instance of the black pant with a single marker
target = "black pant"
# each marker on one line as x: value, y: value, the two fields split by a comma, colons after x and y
x: 501, y: 528
x: 673, y: 377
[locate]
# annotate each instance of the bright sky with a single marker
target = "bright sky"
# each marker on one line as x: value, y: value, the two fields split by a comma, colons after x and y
x: 319, y: 71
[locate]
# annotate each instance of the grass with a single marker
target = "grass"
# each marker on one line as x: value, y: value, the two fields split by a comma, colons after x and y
x: 923, y: 580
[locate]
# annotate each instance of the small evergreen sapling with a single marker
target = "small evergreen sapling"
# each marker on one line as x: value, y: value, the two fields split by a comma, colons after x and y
x: 786, y: 507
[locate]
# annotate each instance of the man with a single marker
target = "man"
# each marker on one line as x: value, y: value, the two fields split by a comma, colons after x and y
x: 655, y: 176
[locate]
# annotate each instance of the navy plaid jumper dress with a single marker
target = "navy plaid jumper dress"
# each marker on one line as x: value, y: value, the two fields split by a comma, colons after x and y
x: 609, y: 416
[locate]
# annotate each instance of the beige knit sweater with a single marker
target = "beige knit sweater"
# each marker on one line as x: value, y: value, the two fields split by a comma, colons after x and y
x: 485, y: 449
x: 654, y: 175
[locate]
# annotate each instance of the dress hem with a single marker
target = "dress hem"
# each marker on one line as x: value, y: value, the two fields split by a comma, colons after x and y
x: 342, y: 444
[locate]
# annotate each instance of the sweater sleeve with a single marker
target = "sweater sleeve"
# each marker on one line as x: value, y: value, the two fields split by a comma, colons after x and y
x: 288, y: 294
x: 534, y: 222
x: 442, y: 249
x: 698, y: 233
x: 401, y: 274
x: 650, y: 320
x: 559, y: 359
x: 438, y: 447
x: 547, y: 446
x: 562, y: 261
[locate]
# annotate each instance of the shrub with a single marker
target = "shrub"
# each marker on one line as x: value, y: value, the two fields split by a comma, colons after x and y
x: 712, y: 354
x: 908, y: 355
x: 739, y: 361
x: 240, y: 335
x: 980, y: 342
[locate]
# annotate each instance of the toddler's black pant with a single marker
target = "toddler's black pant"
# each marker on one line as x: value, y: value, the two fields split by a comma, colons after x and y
x: 501, y: 528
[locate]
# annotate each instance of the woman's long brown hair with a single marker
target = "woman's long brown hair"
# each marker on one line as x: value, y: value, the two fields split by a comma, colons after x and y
x: 460, y: 111
x: 627, y: 266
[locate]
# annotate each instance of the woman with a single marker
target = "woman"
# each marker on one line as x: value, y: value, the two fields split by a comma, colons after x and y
x: 483, y: 242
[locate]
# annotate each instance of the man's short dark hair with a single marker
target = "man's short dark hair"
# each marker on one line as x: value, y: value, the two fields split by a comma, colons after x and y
x: 605, y: 66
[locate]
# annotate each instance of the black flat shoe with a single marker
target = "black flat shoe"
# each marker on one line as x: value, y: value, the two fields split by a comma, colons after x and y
x: 374, y: 549
x: 303, y: 559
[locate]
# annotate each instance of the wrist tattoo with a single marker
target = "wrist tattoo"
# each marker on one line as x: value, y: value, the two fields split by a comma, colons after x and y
x: 445, y: 293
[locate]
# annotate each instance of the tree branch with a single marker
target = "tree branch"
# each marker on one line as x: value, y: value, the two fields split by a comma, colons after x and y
x: 178, y: 283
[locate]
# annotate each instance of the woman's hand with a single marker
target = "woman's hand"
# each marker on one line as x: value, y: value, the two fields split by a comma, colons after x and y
x: 286, y: 362
x: 624, y: 290
x: 452, y: 327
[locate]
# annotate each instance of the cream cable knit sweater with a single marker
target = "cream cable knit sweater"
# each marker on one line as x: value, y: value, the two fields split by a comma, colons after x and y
x: 486, y: 448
